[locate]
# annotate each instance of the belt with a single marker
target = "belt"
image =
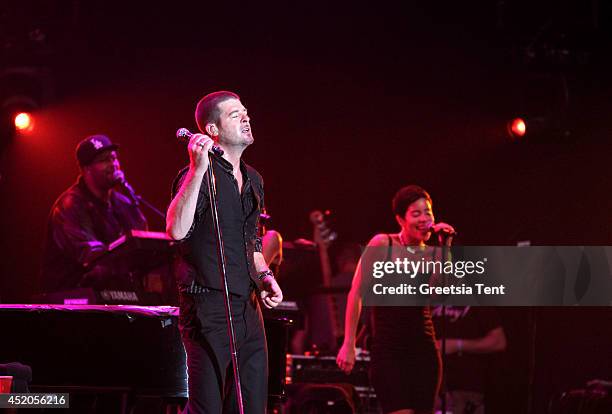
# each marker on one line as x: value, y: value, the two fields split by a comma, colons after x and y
x: 195, y: 288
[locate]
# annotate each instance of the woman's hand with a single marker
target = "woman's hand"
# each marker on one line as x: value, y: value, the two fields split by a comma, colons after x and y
x: 346, y: 358
x: 445, y: 233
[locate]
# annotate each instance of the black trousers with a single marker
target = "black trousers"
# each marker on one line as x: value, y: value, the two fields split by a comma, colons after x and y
x: 209, y: 366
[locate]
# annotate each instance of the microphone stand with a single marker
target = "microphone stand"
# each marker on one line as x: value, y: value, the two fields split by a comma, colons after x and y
x: 443, y: 247
x: 137, y: 199
x: 151, y: 207
x: 212, y: 193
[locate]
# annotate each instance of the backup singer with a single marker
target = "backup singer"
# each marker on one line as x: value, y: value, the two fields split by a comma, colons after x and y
x: 86, y: 218
x: 223, y: 120
x: 405, y: 359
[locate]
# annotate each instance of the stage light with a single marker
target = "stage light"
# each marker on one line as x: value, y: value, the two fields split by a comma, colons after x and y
x: 18, y: 115
x: 23, y: 122
x: 517, y: 128
x: 22, y: 90
x: 538, y: 129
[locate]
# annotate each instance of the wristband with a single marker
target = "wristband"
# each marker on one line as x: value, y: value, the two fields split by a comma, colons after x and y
x: 264, y: 274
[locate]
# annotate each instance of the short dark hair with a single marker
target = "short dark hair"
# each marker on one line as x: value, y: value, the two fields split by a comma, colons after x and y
x: 406, y: 196
x: 207, y: 110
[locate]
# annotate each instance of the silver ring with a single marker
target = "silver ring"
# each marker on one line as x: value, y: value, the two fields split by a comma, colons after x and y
x: 200, y: 145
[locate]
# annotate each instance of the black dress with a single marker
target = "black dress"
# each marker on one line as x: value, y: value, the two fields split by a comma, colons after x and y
x: 406, y: 364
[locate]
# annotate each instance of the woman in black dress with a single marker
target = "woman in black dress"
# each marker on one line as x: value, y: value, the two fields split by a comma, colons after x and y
x: 406, y: 365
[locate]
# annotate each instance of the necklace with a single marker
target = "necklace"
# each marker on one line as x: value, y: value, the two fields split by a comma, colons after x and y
x: 411, y: 249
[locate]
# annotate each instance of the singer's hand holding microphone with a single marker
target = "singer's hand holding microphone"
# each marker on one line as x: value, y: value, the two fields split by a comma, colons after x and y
x: 198, y: 147
x: 444, y: 231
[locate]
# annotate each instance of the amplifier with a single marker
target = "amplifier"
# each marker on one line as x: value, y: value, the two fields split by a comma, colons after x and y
x: 323, y: 370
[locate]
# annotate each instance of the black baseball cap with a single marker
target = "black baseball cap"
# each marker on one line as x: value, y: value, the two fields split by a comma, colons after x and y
x: 91, y: 146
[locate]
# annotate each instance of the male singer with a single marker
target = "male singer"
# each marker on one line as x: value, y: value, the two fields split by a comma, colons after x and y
x: 223, y: 121
x: 86, y: 218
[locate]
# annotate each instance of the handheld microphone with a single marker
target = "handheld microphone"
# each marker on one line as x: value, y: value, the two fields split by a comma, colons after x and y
x: 183, y: 134
x: 443, y: 232
x: 119, y: 177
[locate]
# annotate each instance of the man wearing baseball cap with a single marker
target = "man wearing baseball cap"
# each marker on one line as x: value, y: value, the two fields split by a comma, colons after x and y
x: 87, y: 217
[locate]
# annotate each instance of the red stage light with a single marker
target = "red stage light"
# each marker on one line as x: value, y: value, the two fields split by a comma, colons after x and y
x: 23, y: 121
x: 517, y: 128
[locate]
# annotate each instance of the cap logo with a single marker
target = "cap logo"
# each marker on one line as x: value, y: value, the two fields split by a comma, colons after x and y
x: 96, y: 143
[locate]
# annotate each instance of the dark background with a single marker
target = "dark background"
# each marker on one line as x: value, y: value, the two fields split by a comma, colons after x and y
x: 348, y: 102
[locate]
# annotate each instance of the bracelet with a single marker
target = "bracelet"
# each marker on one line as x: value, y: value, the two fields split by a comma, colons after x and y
x: 264, y: 274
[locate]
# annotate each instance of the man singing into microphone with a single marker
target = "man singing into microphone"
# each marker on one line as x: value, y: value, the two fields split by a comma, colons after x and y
x: 86, y: 218
x: 223, y: 121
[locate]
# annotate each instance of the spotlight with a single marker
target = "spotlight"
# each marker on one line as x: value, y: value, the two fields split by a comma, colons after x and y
x: 517, y: 128
x: 17, y: 114
x: 538, y: 129
x: 24, y: 122
x: 22, y: 91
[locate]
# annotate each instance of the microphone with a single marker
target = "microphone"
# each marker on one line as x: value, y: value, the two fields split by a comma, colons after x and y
x: 443, y: 232
x: 183, y: 134
x: 119, y: 177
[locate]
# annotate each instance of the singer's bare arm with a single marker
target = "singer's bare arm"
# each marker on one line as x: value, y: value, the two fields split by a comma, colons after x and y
x: 181, y: 212
x: 272, y: 243
x: 347, y: 353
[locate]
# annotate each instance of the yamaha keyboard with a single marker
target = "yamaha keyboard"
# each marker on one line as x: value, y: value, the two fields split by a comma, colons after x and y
x: 139, y: 267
